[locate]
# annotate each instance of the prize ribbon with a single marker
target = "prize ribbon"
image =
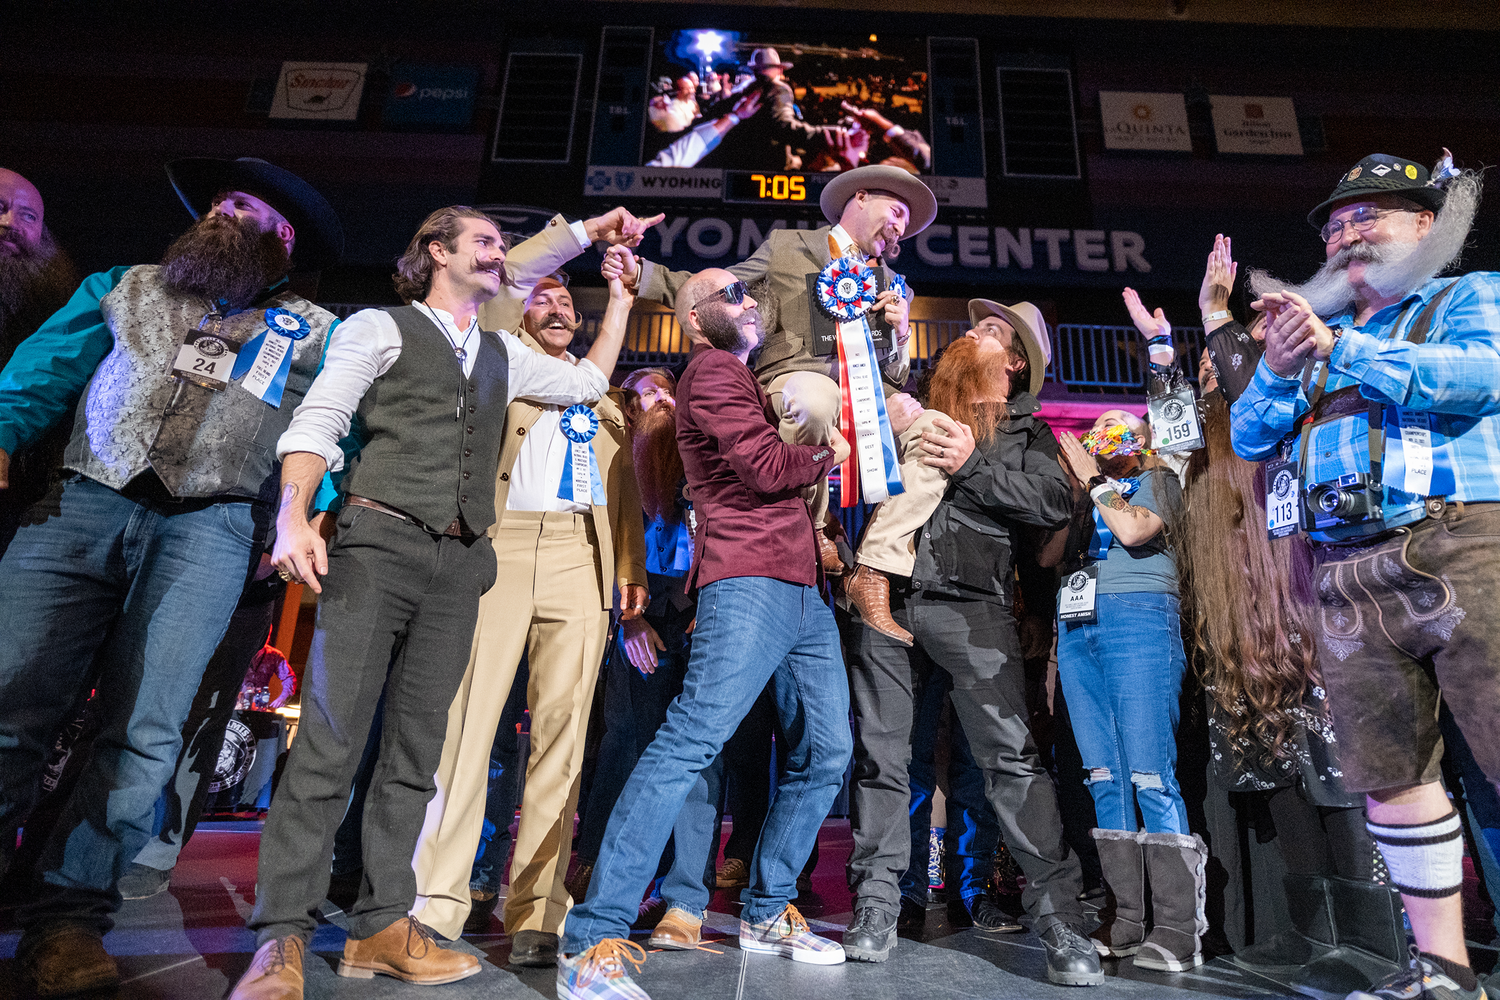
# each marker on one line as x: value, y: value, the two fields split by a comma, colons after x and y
x: 267, y: 359
x: 1103, y: 537
x: 846, y: 289
x: 580, y: 478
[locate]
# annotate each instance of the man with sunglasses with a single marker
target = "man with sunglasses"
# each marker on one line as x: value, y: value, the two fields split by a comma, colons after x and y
x: 1374, y: 347
x: 760, y: 616
x: 869, y: 211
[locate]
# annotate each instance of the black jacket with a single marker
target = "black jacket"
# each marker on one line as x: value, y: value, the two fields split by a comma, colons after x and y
x: 966, y: 548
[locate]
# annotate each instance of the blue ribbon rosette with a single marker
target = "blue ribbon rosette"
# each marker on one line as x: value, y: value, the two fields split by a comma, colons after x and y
x: 846, y: 289
x: 580, y: 476
x: 267, y: 358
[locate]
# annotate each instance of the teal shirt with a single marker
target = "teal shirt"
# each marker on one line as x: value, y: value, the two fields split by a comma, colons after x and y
x: 1147, y: 568
x: 51, y: 368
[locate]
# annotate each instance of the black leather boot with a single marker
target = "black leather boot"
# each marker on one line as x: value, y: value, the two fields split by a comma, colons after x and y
x: 870, y: 936
x: 1370, y: 939
x: 1309, y: 938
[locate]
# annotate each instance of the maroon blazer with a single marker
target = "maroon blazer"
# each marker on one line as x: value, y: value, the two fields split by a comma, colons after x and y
x: 744, y: 481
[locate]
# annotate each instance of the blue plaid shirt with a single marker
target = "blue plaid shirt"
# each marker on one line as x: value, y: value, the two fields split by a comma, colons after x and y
x: 1455, y: 376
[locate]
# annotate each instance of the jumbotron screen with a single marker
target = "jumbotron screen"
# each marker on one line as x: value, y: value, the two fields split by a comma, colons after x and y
x: 751, y: 101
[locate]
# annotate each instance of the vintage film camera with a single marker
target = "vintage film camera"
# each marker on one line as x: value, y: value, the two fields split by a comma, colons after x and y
x: 1351, y: 499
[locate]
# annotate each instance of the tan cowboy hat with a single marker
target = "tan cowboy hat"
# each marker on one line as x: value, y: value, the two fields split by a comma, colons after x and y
x: 878, y: 177
x: 1026, y: 319
x: 766, y: 58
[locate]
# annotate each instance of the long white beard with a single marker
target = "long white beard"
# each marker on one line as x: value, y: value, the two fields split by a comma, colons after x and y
x: 1392, y: 269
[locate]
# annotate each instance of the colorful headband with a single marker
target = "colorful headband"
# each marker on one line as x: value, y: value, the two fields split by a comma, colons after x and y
x: 1111, y: 442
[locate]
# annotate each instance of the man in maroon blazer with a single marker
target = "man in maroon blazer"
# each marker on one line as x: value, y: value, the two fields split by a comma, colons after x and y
x: 760, y: 615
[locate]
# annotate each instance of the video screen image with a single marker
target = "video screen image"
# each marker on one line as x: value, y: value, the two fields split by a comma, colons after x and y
x: 753, y: 101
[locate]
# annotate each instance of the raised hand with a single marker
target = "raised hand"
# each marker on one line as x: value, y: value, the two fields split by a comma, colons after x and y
x: 621, y: 270
x: 749, y: 104
x: 618, y: 227
x: 1151, y: 326
x: 1291, y: 333
x: 1218, y: 278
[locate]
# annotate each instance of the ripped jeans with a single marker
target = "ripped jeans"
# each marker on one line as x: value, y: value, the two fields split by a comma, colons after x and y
x: 1122, y: 676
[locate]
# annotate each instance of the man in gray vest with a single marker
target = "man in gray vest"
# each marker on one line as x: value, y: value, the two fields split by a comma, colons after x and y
x: 400, y: 587
x: 189, y: 372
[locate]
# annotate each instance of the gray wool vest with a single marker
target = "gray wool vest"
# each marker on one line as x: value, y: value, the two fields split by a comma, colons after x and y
x: 201, y: 442
x: 418, y: 457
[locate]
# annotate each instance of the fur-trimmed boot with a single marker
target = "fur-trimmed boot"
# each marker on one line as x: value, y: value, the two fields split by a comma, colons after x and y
x: 1122, y: 925
x: 1175, y: 864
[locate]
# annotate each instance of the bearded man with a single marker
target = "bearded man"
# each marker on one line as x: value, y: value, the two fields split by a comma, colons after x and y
x: 957, y: 608
x: 562, y: 545
x: 189, y: 371
x: 36, y: 279
x: 1397, y: 371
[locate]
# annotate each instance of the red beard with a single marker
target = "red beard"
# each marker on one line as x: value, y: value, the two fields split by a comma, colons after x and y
x: 658, y: 464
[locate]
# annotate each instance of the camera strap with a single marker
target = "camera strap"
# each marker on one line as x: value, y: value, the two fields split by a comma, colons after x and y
x: 1324, y: 405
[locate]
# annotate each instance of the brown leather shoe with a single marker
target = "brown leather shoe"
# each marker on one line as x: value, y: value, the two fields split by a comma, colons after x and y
x: 828, y: 555
x: 66, y: 959
x: 679, y: 930
x: 869, y: 590
x: 275, y: 972
x: 407, y: 951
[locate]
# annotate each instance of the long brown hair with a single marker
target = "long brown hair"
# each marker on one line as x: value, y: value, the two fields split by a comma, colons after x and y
x: 1251, y: 597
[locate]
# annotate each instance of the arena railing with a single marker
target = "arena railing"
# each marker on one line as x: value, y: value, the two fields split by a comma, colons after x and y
x: 1084, y: 357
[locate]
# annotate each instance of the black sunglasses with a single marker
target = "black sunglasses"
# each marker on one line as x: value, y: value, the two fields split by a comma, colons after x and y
x: 733, y: 294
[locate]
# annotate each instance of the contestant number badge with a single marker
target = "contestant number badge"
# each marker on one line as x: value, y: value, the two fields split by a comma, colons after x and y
x: 1282, y: 492
x: 1174, y: 422
x: 1075, y: 601
x: 205, y: 359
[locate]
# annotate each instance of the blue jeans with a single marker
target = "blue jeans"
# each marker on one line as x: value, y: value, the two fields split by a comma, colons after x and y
x: 750, y: 629
x: 140, y: 592
x: 1122, y: 675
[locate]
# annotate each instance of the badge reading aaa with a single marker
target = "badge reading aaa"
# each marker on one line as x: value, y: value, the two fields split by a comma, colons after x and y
x: 846, y: 289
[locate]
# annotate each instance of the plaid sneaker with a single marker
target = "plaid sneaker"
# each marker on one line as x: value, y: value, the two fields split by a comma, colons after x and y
x: 599, y: 973
x: 1420, y: 980
x: 787, y: 934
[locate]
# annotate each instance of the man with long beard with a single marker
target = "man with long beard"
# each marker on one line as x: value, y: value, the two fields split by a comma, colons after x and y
x: 192, y: 369
x: 562, y: 549
x: 1376, y: 348
x: 755, y: 562
x: 957, y: 609
x: 36, y: 278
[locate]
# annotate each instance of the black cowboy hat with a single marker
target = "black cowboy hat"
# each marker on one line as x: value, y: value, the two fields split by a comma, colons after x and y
x: 1380, y: 173
x: 320, y: 235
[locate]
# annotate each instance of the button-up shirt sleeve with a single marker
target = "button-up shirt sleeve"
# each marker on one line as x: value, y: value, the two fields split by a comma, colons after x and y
x: 1457, y: 369
x: 52, y: 366
x: 543, y: 379
x: 1265, y: 413
x: 360, y: 350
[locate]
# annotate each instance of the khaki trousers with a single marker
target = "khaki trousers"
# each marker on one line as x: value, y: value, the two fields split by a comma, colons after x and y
x: 889, y: 542
x: 546, y: 602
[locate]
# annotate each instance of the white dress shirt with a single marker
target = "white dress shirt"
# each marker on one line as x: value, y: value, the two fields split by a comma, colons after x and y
x: 363, y: 347
x: 540, y: 464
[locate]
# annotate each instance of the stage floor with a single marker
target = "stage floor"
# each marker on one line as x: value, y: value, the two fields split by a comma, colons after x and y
x: 191, y: 942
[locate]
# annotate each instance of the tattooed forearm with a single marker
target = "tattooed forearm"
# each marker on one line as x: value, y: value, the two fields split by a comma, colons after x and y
x: 1111, y: 498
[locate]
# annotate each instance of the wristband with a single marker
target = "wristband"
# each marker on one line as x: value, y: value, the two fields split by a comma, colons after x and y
x: 734, y: 119
x: 1213, y: 316
x: 894, y: 131
x: 1102, y: 488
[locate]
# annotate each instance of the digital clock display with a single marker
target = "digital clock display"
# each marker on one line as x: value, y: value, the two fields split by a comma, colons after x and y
x: 769, y: 187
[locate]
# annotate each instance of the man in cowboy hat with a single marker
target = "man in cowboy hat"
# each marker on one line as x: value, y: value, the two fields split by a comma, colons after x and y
x: 189, y: 371
x: 1002, y: 461
x: 1403, y: 597
x: 778, y: 138
x: 869, y: 210
x: 889, y: 544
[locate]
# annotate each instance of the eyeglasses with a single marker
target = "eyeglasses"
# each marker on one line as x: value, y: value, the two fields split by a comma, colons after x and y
x: 1363, y: 220
x: 733, y: 294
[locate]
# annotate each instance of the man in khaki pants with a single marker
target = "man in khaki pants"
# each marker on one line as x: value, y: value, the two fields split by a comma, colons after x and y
x: 558, y: 563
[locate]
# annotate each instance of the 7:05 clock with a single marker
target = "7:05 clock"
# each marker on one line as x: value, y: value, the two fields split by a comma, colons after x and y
x: 770, y: 187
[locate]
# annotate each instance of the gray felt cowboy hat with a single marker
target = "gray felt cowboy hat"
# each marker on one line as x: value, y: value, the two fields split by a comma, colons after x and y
x: 320, y: 235
x: 879, y: 177
x: 1026, y: 319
